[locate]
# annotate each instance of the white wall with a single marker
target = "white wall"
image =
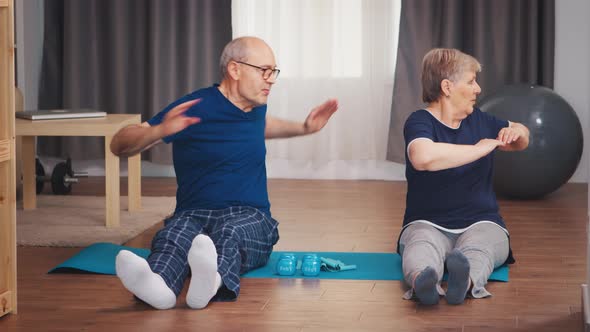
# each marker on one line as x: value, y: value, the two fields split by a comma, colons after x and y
x: 572, y: 67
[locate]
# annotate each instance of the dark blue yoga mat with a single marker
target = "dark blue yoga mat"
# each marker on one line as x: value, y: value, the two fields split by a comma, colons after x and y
x: 100, y: 258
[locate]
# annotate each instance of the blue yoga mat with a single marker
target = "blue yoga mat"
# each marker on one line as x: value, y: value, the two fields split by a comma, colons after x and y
x: 100, y: 258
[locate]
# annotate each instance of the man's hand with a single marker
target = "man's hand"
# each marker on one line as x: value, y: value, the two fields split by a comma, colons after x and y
x: 176, y: 119
x: 134, y: 139
x: 319, y: 116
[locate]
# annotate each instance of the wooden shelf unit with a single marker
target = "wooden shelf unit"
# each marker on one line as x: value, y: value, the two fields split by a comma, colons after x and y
x: 7, y: 162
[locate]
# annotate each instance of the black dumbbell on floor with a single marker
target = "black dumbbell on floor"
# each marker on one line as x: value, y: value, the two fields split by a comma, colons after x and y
x: 61, y: 178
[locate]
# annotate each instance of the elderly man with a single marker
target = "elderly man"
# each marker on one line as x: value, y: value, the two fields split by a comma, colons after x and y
x: 222, y: 226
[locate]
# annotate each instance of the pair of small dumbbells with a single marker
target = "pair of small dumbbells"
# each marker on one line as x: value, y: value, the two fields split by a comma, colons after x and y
x: 288, y: 264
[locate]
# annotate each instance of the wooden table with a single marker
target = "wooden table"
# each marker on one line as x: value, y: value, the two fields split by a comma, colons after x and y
x: 105, y: 127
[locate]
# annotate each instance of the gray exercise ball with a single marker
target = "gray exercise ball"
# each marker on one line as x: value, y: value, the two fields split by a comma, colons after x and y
x: 555, y: 145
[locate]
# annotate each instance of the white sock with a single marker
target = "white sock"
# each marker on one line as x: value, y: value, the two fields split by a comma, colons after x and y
x: 138, y: 278
x: 205, y: 280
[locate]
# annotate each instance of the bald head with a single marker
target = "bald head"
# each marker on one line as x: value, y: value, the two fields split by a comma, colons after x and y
x: 241, y: 49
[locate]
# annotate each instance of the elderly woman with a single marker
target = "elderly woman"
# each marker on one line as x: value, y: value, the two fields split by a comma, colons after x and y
x: 451, y: 213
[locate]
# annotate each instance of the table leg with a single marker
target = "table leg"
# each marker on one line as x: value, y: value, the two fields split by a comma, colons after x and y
x: 134, y: 182
x: 112, y: 179
x: 29, y: 173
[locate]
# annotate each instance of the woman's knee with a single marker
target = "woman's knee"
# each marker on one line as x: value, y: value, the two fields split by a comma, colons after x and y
x: 419, y: 232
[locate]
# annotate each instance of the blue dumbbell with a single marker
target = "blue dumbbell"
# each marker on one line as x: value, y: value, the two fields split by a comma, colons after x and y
x: 314, y: 257
x: 287, y: 264
x: 311, y: 265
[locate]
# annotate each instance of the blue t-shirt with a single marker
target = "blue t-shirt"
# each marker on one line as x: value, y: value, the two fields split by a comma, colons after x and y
x: 220, y: 161
x: 457, y: 197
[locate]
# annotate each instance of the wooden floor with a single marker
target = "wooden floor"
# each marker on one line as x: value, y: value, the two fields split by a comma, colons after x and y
x: 548, y: 239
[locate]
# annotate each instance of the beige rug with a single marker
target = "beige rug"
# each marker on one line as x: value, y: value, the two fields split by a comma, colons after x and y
x: 78, y: 221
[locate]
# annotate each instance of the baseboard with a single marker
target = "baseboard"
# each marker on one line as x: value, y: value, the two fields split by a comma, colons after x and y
x: 586, y: 307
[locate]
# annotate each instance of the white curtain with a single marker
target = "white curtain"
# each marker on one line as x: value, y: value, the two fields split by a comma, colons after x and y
x: 342, y: 49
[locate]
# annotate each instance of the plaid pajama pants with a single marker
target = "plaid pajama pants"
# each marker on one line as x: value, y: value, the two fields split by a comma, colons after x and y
x: 243, y: 236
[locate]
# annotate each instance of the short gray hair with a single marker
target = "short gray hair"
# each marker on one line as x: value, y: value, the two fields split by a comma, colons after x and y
x: 444, y: 63
x: 235, y: 50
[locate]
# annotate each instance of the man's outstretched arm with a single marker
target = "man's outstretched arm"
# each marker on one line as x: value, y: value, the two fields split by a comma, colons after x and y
x: 316, y: 120
x: 134, y: 139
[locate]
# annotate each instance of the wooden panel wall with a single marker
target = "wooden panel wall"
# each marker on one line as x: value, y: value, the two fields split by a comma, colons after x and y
x: 7, y: 162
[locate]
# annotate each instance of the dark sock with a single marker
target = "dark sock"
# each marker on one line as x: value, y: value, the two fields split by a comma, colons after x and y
x: 458, y: 268
x: 425, y: 286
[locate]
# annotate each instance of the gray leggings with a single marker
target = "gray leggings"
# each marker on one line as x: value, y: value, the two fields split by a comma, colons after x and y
x: 484, y: 244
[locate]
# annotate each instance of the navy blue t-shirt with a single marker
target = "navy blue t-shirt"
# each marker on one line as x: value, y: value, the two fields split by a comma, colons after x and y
x: 457, y: 197
x: 220, y: 161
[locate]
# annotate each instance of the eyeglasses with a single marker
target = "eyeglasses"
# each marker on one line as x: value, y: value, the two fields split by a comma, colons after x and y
x: 266, y: 72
